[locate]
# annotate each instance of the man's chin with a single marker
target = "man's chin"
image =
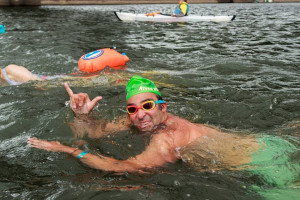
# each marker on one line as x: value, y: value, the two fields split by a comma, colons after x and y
x: 145, y: 128
x: 151, y: 128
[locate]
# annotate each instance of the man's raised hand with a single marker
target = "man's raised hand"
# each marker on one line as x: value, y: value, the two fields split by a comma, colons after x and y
x: 81, y: 103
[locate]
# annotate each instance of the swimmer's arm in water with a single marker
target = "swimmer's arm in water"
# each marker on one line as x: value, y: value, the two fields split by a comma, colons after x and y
x: 158, y: 153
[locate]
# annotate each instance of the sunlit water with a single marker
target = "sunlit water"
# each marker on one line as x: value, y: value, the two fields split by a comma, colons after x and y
x: 241, y: 75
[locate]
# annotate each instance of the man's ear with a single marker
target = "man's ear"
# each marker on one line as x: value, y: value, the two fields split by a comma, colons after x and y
x: 164, y: 107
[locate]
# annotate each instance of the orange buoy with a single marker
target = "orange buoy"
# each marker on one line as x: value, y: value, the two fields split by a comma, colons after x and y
x: 101, y: 58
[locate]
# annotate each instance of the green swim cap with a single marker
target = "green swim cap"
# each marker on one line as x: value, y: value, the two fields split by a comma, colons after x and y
x: 138, y: 85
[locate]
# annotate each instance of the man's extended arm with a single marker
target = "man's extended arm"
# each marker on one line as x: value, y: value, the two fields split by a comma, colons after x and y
x: 159, y: 152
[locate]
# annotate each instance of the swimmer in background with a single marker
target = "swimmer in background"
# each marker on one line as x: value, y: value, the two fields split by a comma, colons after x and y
x: 181, y: 9
x: 16, y: 75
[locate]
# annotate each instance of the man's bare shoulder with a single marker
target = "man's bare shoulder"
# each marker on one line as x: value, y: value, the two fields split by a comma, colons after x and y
x: 176, y: 120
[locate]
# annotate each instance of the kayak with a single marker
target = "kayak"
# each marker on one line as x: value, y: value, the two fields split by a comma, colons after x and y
x: 124, y: 16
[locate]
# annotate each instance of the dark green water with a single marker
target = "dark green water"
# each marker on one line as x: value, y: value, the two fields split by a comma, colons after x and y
x: 242, y: 75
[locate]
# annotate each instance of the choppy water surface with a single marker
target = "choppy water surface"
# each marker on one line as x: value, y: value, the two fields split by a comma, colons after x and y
x: 241, y: 75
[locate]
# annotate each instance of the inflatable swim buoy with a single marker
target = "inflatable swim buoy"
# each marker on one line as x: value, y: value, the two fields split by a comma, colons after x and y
x: 101, y: 58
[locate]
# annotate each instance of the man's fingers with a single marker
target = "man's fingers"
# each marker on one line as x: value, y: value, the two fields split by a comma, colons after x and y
x: 95, y: 100
x: 82, y: 98
x: 34, y: 142
x: 71, y: 94
x: 33, y: 138
x: 81, y: 103
x: 79, y: 100
x: 69, y: 91
x: 41, y: 144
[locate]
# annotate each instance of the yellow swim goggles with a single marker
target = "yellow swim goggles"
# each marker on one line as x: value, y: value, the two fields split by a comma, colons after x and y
x: 146, y: 106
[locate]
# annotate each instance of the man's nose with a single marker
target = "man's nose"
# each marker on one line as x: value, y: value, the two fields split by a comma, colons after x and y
x: 140, y: 113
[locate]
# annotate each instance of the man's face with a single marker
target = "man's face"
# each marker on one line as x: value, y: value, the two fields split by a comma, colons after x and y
x: 146, y: 120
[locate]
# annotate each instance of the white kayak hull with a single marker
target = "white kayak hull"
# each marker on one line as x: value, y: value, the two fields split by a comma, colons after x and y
x: 124, y: 16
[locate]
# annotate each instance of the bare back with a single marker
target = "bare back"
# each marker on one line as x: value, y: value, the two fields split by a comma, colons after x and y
x: 207, y: 147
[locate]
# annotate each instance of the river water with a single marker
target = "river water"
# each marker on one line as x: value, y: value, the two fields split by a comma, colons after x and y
x: 241, y: 75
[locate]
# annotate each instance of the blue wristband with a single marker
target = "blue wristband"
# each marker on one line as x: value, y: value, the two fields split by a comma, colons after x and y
x: 81, y: 154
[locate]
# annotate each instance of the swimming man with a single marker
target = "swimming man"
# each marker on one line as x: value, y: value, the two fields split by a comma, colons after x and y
x: 147, y: 112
